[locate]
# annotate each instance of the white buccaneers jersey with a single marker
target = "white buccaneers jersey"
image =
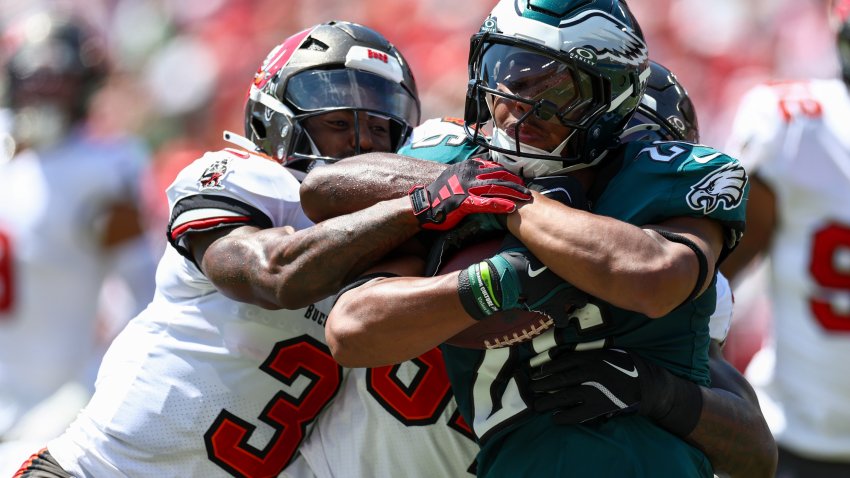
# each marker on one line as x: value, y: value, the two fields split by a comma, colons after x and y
x: 796, y: 138
x: 721, y: 320
x: 399, y: 420
x: 199, y: 384
x: 52, y: 264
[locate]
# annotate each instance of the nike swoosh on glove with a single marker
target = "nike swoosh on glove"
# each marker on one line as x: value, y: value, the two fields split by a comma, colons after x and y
x: 525, y: 283
x: 580, y: 387
x: 515, y: 279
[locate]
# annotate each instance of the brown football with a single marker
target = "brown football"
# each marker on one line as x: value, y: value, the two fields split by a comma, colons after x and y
x: 501, y: 329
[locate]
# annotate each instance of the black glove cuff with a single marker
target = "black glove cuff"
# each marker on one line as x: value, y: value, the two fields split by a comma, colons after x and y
x: 421, y: 204
x: 674, y: 403
x: 684, y: 415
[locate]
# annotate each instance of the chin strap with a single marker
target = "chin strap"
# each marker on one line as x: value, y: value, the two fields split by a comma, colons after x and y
x: 639, y: 128
x: 531, y: 167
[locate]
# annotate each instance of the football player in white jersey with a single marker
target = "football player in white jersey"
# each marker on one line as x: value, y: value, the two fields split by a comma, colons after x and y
x: 793, y: 137
x: 68, y: 219
x: 213, y: 378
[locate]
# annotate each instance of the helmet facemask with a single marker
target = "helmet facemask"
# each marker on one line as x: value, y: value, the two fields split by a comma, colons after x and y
x: 339, y: 70
x: 574, y: 72
x: 314, y: 93
x: 544, y: 93
x: 350, y: 95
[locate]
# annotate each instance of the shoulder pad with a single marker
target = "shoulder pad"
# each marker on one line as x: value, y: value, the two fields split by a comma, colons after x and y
x: 442, y: 140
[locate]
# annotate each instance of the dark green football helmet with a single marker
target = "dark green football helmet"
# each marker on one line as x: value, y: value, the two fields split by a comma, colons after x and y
x: 581, y: 64
x: 665, y: 113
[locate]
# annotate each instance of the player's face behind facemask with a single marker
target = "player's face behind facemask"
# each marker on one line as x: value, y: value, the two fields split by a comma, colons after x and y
x: 558, y: 80
x: 535, y: 96
x: 346, y: 112
x: 328, y: 92
x: 344, y: 133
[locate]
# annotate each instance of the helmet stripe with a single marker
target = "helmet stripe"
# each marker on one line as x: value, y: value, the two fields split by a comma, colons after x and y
x: 278, y: 57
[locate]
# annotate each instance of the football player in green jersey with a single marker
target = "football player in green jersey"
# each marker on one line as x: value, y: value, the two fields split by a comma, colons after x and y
x: 663, y: 214
x: 579, y: 387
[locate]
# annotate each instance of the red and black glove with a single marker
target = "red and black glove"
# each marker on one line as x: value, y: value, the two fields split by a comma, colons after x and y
x: 469, y: 187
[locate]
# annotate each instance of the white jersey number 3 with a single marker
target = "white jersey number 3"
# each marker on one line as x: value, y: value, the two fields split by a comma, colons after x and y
x: 227, y: 439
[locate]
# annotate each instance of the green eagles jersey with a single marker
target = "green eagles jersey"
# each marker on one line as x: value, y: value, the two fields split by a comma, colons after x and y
x: 646, y: 184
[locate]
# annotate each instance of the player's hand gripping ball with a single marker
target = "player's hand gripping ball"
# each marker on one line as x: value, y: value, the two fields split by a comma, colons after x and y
x: 513, y: 295
x: 500, y: 329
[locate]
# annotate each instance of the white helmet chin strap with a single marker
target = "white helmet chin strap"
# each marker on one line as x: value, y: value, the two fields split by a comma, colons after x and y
x: 528, y: 167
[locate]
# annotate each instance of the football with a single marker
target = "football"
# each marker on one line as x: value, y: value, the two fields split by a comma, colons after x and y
x: 501, y: 329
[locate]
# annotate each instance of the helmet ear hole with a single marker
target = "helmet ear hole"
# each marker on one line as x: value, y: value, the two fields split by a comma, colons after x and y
x: 258, y: 128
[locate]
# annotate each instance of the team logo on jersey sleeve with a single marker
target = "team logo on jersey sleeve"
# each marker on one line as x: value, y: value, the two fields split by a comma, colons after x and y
x: 723, y: 186
x: 212, y: 176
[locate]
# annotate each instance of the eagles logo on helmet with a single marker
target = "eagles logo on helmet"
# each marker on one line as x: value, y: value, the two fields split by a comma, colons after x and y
x: 329, y: 67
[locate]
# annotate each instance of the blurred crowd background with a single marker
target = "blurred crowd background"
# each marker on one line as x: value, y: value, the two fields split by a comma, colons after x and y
x: 179, y: 72
x: 181, y: 68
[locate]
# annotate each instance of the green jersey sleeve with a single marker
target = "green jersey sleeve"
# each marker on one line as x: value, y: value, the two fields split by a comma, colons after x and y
x: 665, y: 179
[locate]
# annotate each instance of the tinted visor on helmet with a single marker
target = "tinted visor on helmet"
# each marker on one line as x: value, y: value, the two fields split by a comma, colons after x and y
x: 319, y: 92
x: 323, y: 90
x: 556, y: 91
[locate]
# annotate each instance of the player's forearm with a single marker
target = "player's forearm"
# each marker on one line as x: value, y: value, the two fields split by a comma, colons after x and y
x: 622, y: 264
x: 318, y: 261
x: 734, y: 436
x: 391, y: 320
x: 281, y: 269
x: 358, y: 182
x: 732, y: 431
